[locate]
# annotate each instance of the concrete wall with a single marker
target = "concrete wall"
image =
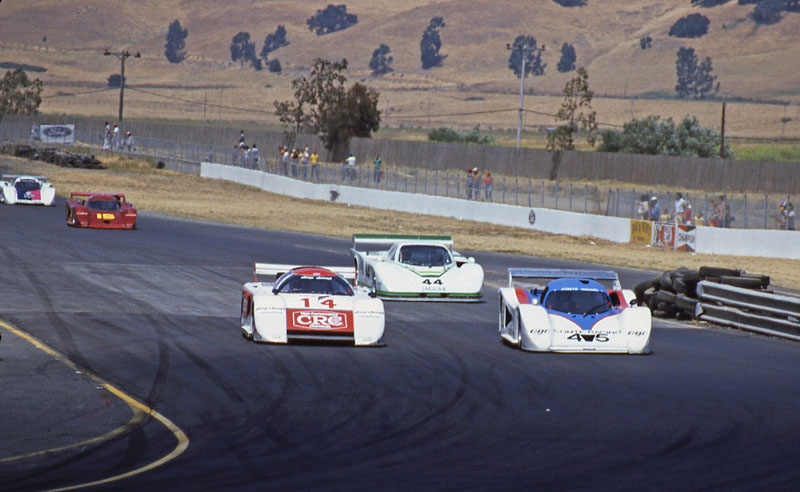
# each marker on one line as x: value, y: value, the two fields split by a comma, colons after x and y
x: 710, y: 240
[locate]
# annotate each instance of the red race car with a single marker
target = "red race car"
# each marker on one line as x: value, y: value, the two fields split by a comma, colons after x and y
x: 100, y: 210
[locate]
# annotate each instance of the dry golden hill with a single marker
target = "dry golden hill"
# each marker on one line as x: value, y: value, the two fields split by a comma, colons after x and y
x: 68, y: 38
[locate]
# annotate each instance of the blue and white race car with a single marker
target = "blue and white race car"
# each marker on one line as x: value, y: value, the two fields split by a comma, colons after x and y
x: 545, y: 310
x: 31, y: 190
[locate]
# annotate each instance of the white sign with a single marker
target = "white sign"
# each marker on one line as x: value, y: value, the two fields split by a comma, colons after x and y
x: 63, y: 134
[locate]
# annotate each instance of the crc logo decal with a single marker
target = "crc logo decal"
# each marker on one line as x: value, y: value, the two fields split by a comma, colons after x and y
x: 305, y: 319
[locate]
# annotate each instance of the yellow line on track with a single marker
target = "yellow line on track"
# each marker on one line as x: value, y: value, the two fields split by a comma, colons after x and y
x: 140, y: 410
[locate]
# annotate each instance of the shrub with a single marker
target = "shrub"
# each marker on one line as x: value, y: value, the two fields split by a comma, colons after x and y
x: 691, y: 26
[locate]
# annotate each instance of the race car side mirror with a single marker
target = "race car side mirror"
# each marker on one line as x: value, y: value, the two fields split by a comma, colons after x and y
x: 634, y: 302
x: 373, y: 294
x: 471, y: 259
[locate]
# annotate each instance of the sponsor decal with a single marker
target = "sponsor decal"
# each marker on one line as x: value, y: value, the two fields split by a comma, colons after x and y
x: 637, y: 333
x: 58, y: 133
x: 677, y: 237
x: 105, y: 216
x: 33, y: 195
x: 641, y: 232
x: 310, y: 319
x: 435, y: 285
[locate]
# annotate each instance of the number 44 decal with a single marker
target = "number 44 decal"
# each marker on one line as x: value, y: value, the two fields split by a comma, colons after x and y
x: 588, y: 337
x: 428, y: 281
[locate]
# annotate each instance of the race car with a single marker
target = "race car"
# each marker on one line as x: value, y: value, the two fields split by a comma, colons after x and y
x: 310, y: 303
x: 100, y: 210
x: 545, y: 310
x: 414, y: 268
x: 33, y: 190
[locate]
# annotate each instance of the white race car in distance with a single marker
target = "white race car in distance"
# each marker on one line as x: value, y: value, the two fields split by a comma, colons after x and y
x: 33, y: 190
x: 412, y: 268
x: 545, y: 310
x: 310, y: 303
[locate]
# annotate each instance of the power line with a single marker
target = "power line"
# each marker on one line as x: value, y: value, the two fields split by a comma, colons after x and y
x: 201, y: 103
x: 408, y: 116
x: 93, y: 91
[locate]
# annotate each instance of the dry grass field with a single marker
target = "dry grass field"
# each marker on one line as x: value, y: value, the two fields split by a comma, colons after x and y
x: 752, y: 62
x: 187, y: 196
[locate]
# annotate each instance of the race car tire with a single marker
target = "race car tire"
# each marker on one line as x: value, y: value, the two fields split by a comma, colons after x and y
x: 691, y: 276
x: 764, y: 279
x: 641, y: 288
x: 708, y: 271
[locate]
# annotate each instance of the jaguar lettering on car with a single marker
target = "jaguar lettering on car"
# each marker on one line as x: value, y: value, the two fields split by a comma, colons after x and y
x: 310, y: 319
x: 433, y: 285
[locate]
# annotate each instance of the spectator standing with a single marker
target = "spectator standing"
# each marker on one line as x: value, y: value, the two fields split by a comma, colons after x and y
x: 295, y: 157
x: 254, y: 155
x: 700, y: 220
x: 241, y: 138
x: 350, y: 168
x: 655, y: 210
x: 35, y: 132
x: 376, y: 173
x: 115, y: 137
x: 725, y: 212
x: 314, y: 158
x: 476, y: 184
x: 304, y: 157
x: 790, y: 216
x: 468, y: 186
x: 129, y: 142
x: 246, y: 154
x: 643, y: 208
x: 680, y: 208
x: 285, y: 160
x: 107, y: 137
x: 488, y: 182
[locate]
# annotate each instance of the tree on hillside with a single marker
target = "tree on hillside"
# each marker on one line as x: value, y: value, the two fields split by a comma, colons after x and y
x: 709, y: 3
x: 381, y: 61
x: 175, y: 48
x: 694, y: 80
x: 567, y: 61
x: 323, y: 105
x: 333, y: 18
x: 646, y: 42
x: 652, y: 136
x: 691, y: 26
x: 576, y: 112
x: 431, y: 43
x: 571, y: 3
x: 115, y: 80
x: 242, y: 50
x: 533, y: 56
x: 769, y: 12
x: 274, y: 41
x: 274, y: 66
x: 19, y: 94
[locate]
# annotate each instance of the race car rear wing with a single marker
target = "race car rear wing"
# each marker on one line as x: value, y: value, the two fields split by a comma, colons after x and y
x: 279, y: 269
x: 79, y: 195
x: 11, y: 177
x: 382, y: 242
x: 539, y: 277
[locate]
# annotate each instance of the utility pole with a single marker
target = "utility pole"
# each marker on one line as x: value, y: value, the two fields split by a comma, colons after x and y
x: 523, y: 48
x: 121, y: 55
x: 722, y: 152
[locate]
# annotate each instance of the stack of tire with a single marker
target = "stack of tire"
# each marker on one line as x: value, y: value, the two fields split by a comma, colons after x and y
x: 673, y: 294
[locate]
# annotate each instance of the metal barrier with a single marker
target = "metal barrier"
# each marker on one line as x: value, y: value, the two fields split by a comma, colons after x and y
x: 748, y: 309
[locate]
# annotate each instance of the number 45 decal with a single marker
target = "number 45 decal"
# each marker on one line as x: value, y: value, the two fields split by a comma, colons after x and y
x: 580, y: 337
x: 428, y: 281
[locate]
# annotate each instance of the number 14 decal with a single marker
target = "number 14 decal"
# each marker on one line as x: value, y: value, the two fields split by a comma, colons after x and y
x: 326, y: 302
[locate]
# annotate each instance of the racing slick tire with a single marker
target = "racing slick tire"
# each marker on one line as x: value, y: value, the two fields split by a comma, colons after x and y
x: 708, y: 271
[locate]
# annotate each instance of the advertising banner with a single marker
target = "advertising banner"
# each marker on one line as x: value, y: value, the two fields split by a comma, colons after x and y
x: 63, y: 134
x: 664, y: 236
x: 641, y: 232
x: 686, y: 238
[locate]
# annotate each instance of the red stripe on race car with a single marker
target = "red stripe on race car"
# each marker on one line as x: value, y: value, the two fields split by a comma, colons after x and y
x: 522, y: 295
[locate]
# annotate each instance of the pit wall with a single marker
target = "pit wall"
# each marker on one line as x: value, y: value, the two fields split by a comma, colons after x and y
x: 710, y: 240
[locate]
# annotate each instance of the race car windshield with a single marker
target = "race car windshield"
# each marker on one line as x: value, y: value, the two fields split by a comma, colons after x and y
x: 304, y: 284
x: 428, y: 256
x: 104, y: 205
x: 25, y: 186
x: 578, y: 302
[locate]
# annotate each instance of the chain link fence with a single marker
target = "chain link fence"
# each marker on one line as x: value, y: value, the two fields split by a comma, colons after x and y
x: 747, y: 210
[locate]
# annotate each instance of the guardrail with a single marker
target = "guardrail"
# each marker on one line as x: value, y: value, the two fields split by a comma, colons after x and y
x: 750, y: 310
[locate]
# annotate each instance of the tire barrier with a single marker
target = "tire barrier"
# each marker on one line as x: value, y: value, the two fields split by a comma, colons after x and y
x: 722, y: 296
x: 53, y: 156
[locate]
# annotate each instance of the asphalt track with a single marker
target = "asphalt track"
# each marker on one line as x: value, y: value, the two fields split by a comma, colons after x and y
x: 444, y: 406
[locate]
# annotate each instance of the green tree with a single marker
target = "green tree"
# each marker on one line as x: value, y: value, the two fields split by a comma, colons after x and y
x: 694, y: 80
x: 431, y: 43
x: 576, y: 112
x: 333, y: 18
x: 322, y: 104
x: 274, y: 41
x: 568, y: 57
x: 175, y: 48
x: 242, y: 50
x: 533, y: 56
x: 654, y: 136
x: 769, y: 12
x: 19, y: 94
x: 691, y: 26
x: 381, y: 61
